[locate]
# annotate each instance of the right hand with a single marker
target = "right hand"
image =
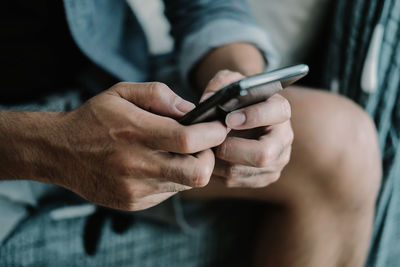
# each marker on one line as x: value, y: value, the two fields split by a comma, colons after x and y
x: 260, y: 143
x: 124, y: 150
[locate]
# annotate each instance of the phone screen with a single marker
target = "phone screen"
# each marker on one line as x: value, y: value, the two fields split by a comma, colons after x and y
x: 243, y: 93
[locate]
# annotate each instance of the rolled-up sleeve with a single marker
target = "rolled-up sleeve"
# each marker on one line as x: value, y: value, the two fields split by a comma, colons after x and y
x: 201, y: 25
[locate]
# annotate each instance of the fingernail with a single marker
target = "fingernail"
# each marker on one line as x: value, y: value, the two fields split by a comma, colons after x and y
x: 235, y: 119
x: 205, y: 96
x: 184, y: 106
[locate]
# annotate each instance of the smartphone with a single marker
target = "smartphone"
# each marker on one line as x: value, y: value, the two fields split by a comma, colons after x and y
x: 243, y: 93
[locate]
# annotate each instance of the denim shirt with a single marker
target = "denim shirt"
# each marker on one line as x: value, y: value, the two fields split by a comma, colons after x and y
x: 108, y: 33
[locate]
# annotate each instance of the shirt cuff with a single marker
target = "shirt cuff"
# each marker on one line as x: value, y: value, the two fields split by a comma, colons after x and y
x: 222, y: 32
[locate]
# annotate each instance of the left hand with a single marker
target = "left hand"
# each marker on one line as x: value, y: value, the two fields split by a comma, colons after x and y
x: 259, y: 145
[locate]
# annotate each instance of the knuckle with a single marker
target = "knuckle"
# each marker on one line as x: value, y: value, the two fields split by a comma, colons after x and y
x: 184, y: 140
x: 120, y: 87
x: 222, y: 73
x: 253, y: 115
x: 222, y: 150
x: 201, y: 176
x: 129, y: 167
x: 286, y: 108
x: 126, y: 167
x: 122, y: 84
x: 274, y: 177
x: 157, y: 88
x: 262, y: 158
x: 232, y: 172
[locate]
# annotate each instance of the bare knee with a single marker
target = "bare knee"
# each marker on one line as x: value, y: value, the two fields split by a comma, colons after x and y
x: 335, y: 149
x: 356, y: 168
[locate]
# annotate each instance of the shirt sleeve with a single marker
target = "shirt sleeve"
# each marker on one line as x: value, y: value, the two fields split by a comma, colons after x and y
x: 201, y: 25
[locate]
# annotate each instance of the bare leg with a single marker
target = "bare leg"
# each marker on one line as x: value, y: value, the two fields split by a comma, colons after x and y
x: 326, y: 195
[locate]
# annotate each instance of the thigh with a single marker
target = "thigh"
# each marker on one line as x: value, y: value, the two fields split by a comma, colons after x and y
x: 324, y: 124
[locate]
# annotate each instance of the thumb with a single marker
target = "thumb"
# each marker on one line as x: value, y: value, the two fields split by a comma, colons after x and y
x: 221, y: 79
x: 154, y: 97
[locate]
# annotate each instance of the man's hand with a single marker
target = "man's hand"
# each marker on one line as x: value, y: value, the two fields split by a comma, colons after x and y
x: 128, y: 153
x: 121, y: 149
x: 258, y: 148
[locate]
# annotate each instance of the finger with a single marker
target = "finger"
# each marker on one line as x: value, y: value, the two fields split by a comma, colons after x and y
x: 274, y: 110
x: 172, y: 187
x: 285, y: 134
x: 234, y: 171
x: 257, y: 153
x: 157, y: 186
x: 162, y: 133
x: 256, y: 181
x: 173, y: 137
x: 238, y: 150
x: 151, y: 186
x: 282, y: 132
x: 221, y: 79
x: 145, y: 202
x: 155, y: 97
x: 188, y: 170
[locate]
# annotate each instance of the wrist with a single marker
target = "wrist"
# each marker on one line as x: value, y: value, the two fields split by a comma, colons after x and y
x: 244, y: 58
x: 28, y: 145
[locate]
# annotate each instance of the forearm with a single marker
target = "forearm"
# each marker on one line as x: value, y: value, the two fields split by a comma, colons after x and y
x: 26, y: 142
x: 241, y: 57
x: 212, y: 35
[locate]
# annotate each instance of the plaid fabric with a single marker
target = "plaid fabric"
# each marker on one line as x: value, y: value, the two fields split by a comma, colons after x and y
x: 353, y: 26
x: 126, y: 240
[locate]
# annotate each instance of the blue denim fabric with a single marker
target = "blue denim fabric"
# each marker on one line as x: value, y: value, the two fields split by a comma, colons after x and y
x: 199, y: 26
x: 109, y: 33
x: 227, y: 240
